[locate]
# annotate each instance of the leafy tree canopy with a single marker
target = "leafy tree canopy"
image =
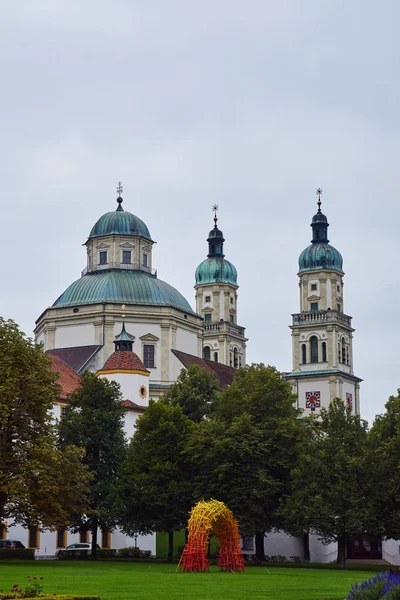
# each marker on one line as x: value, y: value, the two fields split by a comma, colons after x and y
x: 330, y: 480
x: 155, y: 492
x: 194, y: 391
x: 38, y: 481
x: 94, y: 421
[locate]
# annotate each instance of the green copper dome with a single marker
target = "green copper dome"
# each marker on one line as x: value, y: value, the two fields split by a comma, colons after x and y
x: 216, y: 270
x: 120, y: 222
x: 320, y: 255
x: 122, y: 287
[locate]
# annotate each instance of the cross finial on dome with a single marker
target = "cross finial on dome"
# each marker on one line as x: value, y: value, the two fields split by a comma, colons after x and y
x: 215, y: 210
x: 319, y: 192
x: 120, y: 189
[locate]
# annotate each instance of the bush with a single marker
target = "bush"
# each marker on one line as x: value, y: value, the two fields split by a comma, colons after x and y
x: 132, y: 552
x: 107, y: 553
x: 20, y: 553
x: 74, y: 554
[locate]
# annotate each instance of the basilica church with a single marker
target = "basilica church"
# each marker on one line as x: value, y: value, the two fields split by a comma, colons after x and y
x: 121, y: 321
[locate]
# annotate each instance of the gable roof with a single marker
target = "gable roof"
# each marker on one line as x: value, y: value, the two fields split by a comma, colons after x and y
x: 222, y: 373
x: 68, y: 379
x: 76, y: 357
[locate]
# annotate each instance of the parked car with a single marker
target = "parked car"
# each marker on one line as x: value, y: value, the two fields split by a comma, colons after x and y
x: 11, y: 544
x: 79, y: 547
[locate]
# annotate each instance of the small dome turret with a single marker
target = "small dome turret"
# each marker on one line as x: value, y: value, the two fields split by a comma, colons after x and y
x: 216, y: 269
x: 320, y: 255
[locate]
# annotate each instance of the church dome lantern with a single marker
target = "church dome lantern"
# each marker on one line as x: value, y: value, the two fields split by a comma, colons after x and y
x: 320, y: 254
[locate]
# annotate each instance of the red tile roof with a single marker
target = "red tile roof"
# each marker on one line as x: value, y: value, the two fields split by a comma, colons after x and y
x: 123, y: 360
x: 133, y: 406
x: 68, y: 379
x: 222, y: 373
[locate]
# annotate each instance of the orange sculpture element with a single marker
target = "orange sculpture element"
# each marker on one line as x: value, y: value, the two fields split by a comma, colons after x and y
x: 204, y: 517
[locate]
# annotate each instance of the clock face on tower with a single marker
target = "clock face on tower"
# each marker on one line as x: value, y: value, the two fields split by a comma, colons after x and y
x: 143, y: 391
x: 313, y: 400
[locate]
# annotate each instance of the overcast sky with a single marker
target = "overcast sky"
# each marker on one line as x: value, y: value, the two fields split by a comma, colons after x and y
x: 251, y: 105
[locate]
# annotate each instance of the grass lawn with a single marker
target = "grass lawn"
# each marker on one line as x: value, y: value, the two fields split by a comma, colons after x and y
x: 135, y: 581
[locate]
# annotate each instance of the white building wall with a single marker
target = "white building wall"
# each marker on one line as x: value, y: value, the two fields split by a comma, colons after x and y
x: 74, y: 335
x: 321, y: 386
x: 280, y: 543
x: 391, y: 551
x: 320, y: 552
x: 131, y: 384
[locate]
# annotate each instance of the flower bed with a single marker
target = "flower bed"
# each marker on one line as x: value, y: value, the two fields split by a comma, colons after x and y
x: 384, y: 586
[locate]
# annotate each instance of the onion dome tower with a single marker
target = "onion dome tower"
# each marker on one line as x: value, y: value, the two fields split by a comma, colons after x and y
x: 216, y: 301
x: 322, y: 334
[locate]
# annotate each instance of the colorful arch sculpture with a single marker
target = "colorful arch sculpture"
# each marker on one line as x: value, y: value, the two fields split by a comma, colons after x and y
x: 204, y: 517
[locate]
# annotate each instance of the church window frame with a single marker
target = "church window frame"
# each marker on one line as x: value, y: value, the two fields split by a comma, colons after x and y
x: 103, y: 257
x: 231, y: 300
x: 323, y: 350
x: 313, y: 349
x: 207, y: 318
x: 84, y: 536
x: 61, y: 537
x: 304, y: 354
x: 339, y: 307
x: 34, y: 536
x: 63, y: 410
x: 215, y: 356
x: 344, y: 361
x: 235, y: 358
x: 105, y: 538
x: 3, y: 530
x: 314, y: 307
x: 207, y: 353
x: 126, y: 258
x: 145, y: 262
x: 232, y: 319
x: 313, y: 287
x: 207, y: 299
x: 149, y: 356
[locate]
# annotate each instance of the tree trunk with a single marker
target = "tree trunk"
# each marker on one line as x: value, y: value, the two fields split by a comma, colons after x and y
x: 94, y: 537
x: 260, y: 552
x: 170, y: 545
x: 306, y: 546
x: 341, y: 556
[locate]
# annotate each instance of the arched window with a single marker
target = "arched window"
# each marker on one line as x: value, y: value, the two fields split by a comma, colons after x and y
x: 343, y: 351
x: 339, y: 352
x: 216, y: 356
x: 206, y: 353
x: 235, y: 358
x: 303, y: 354
x: 323, y: 351
x: 313, y: 349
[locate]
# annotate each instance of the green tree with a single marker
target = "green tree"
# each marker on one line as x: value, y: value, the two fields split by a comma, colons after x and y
x: 244, y: 453
x: 94, y: 422
x: 330, y: 480
x: 155, y: 492
x: 382, y: 461
x: 194, y: 391
x: 39, y: 483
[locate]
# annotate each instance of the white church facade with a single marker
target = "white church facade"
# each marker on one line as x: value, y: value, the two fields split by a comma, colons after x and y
x: 124, y: 323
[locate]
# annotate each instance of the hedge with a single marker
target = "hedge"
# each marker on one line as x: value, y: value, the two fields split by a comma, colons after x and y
x: 20, y: 553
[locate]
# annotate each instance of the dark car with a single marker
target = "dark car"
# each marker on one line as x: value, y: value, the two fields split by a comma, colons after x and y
x: 11, y: 544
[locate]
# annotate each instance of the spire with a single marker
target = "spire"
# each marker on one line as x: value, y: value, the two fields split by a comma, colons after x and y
x: 215, y: 238
x: 319, y: 224
x: 120, y: 189
x: 124, y: 341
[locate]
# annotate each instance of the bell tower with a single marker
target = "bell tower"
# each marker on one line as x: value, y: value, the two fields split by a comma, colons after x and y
x: 216, y: 288
x: 322, y: 334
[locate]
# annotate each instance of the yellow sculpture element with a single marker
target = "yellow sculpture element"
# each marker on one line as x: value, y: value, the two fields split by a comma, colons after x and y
x: 204, y: 517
